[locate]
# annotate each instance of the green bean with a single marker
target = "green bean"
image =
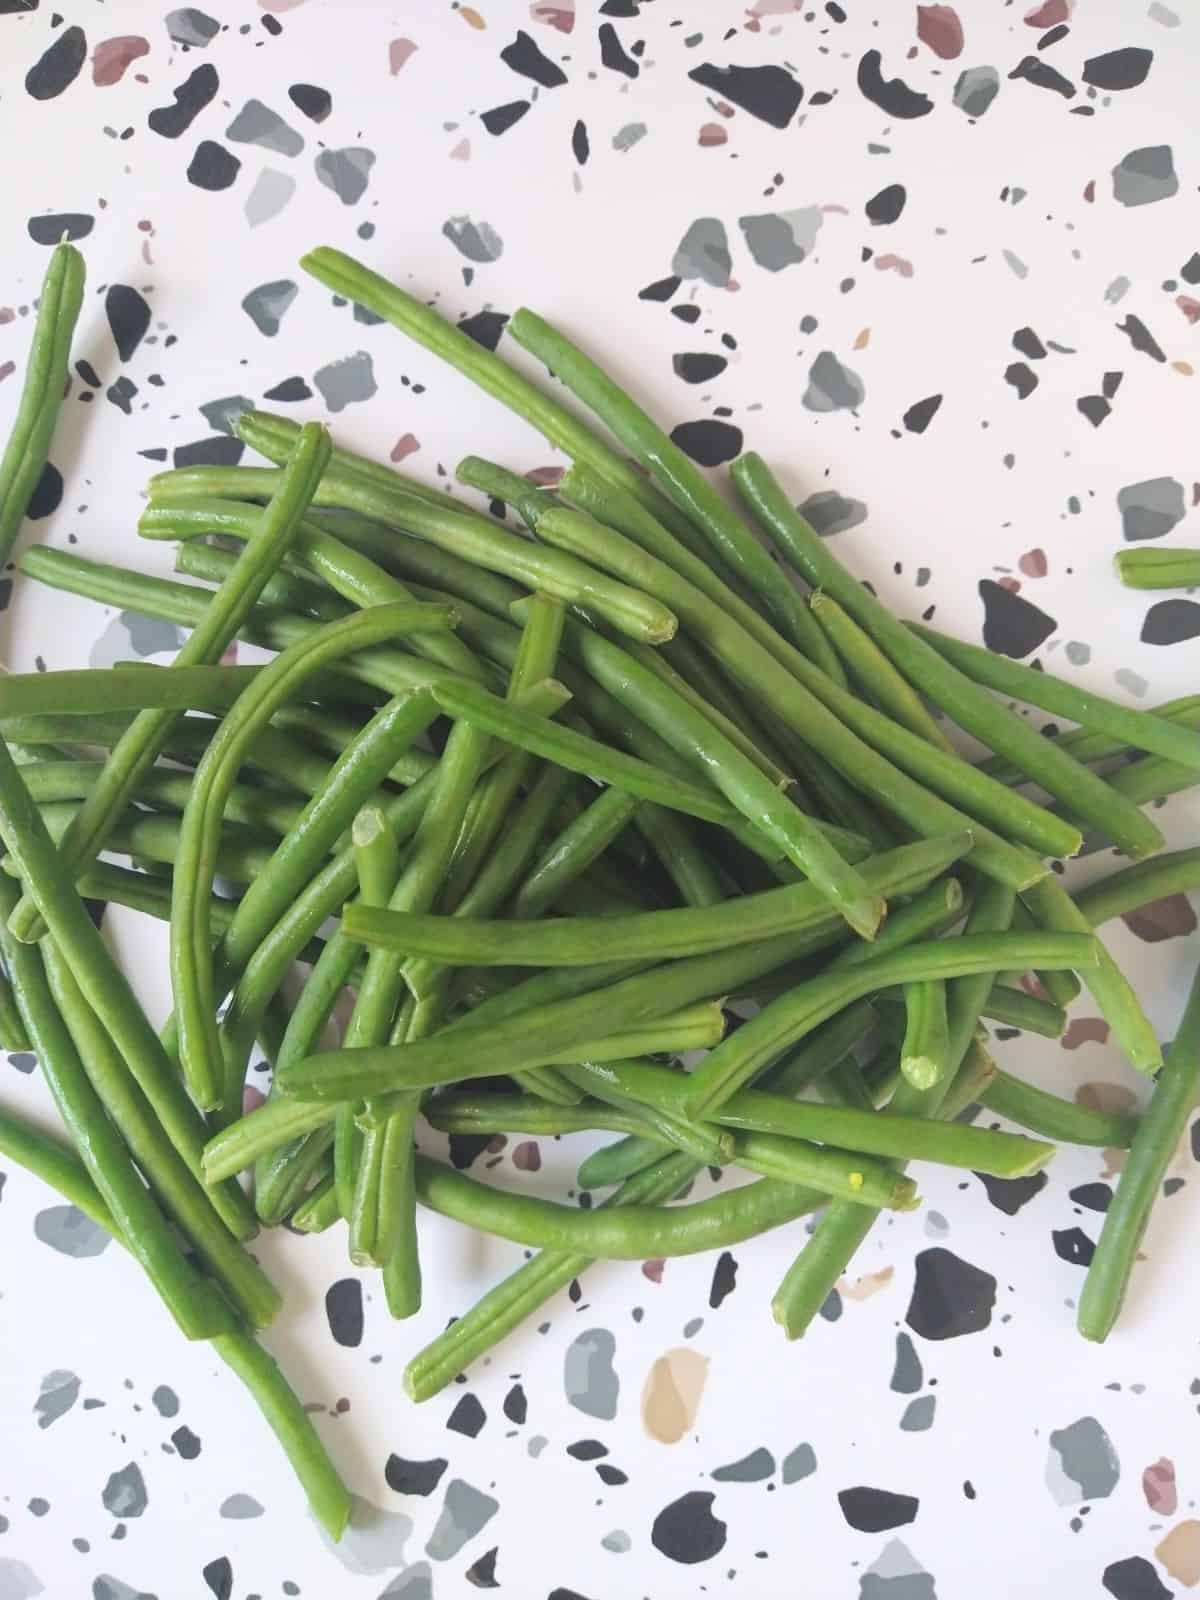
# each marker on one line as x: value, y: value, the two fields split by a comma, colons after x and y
x: 319, y: 1210
x: 802, y: 698
x: 123, y: 689
x: 925, y: 1051
x: 46, y: 378
x: 710, y: 1146
x: 1061, y: 988
x: 568, y: 856
x: 283, y: 591
x: 614, y: 1163
x: 1087, y: 745
x: 56, y: 1165
x: 498, y: 483
x: 873, y: 673
x: 12, y: 1030
x: 680, y: 855
x: 962, y: 700
x: 1141, y: 729
x: 1149, y: 779
x: 449, y: 526
x: 282, y: 1178
x: 349, y: 573
x: 1055, y: 1118
x: 191, y: 943
x: 977, y: 1071
x: 1158, y: 1134
x: 1175, y: 568
x: 331, y: 731
x: 179, y: 1191
x: 1016, y: 1009
x: 1052, y: 907
x: 49, y: 882
x: 194, y: 1302
x: 1139, y: 885
x: 681, y: 480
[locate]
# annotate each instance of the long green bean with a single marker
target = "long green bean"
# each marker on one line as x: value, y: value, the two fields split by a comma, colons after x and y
x: 1173, y: 568
x: 113, y: 689
x: 1085, y: 744
x: 874, y: 674
x: 1137, y: 885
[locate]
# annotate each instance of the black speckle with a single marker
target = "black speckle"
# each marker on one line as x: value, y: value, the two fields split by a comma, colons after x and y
x: 1134, y: 1579
x: 121, y: 394
x: 414, y: 1477
x: 612, y: 53
x: 1172, y: 1186
x: 698, y: 366
x: 155, y: 453
x: 60, y: 225
x: 481, y: 1574
x: 769, y: 93
x: 687, y: 1531
x: 273, y: 25
x: 1094, y: 407
x: 523, y: 56
x: 500, y: 118
x: 467, y: 1417
x: 218, y: 1575
x: 1010, y: 1194
x: 709, y: 441
x: 88, y: 373
x: 831, y: 1306
x: 1141, y: 338
x: 1168, y: 622
x: 47, y: 494
x: 191, y: 97
x: 186, y: 1443
x: 485, y: 327
x: 887, y: 205
x: 1028, y: 343
x: 1023, y: 379
x: 22, y: 1061
x: 96, y: 909
x: 1095, y: 1196
x: 212, y: 167
x: 58, y: 68
x: 587, y: 1450
x: 874, y: 1510
x: 661, y: 289
x: 1110, y: 383
x: 316, y: 103
x: 466, y: 1148
x: 579, y: 142
x: 918, y: 416
x: 1189, y: 271
x: 222, y: 450
x: 1073, y: 1245
x: 724, y: 1279
x: 1043, y: 76
x: 289, y: 391
x: 891, y: 95
x: 612, y: 1476
x: 128, y: 317
x: 516, y: 1406
x: 1118, y: 69
x: 688, y: 313
x: 950, y: 1297
x: 1012, y: 625
x: 344, y: 1310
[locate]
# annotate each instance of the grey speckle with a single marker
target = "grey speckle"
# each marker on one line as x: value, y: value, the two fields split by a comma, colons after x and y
x: 759, y: 1464
x: 1116, y: 291
x: 799, y: 1463
x: 936, y: 1226
x: 703, y: 253
x: 590, y: 1382
x: 618, y: 1541
x: 918, y: 1414
x: 831, y: 512
x: 907, y: 1375
x: 465, y: 1511
x: 131, y: 632
x: 1082, y: 1464
x: 632, y: 133
x: 832, y: 386
x: 271, y: 192
x: 374, y: 1542
x: 1015, y: 262
x: 779, y: 239
x: 240, y: 1507
x: 347, y: 172
x: 165, y: 1401
x: 125, y: 1492
x: 896, y: 1575
x: 266, y: 305
x: 1133, y: 681
x: 1144, y: 176
x: 222, y: 414
x: 58, y: 1393
x: 67, y: 1230
x: 191, y: 27
x: 106, y: 1587
x: 18, y: 1581
x: 478, y: 241
x: 257, y: 124
x: 1163, y: 14
x: 537, y: 1444
x: 975, y: 90
x: 1078, y: 653
x: 1150, y: 509
x: 414, y: 1583
x: 346, y: 382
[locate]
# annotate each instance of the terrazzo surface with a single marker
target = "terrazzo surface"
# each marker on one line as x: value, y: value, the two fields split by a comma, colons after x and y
x: 942, y: 266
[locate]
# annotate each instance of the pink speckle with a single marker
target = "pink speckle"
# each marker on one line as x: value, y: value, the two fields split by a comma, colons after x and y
x: 527, y: 1156
x: 653, y: 1270
x: 832, y: 210
x: 496, y: 1144
x: 146, y: 256
x: 939, y: 28
x: 1158, y: 1485
x: 252, y: 1098
x: 711, y: 135
x: 7, y: 368
x: 891, y: 263
x: 546, y: 477
x: 1085, y: 1030
x: 230, y: 654
x: 774, y: 8
x: 1089, y: 191
x: 280, y: 5
x: 1050, y: 13
x: 145, y: 226
x: 7, y: 314
x: 561, y: 17
x: 733, y: 286
x: 112, y: 56
x: 461, y: 151
x: 1013, y: 585
x: 1189, y: 307
x: 1171, y: 917
x: 722, y: 108
x: 398, y: 53
x: 406, y: 445
x: 1034, y: 564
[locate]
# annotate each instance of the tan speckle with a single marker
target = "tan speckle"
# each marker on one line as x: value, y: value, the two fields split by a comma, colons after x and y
x: 893, y: 263
x: 1179, y: 1552
x: 672, y: 1395
x: 472, y: 18
x: 1185, y: 367
x: 1106, y: 1097
x: 870, y: 1283
x: 862, y: 339
x: 1085, y: 1030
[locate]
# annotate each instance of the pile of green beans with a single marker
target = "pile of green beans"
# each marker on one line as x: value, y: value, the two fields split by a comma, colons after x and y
x: 570, y: 797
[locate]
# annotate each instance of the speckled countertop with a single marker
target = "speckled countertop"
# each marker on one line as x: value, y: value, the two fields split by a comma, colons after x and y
x: 942, y: 265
